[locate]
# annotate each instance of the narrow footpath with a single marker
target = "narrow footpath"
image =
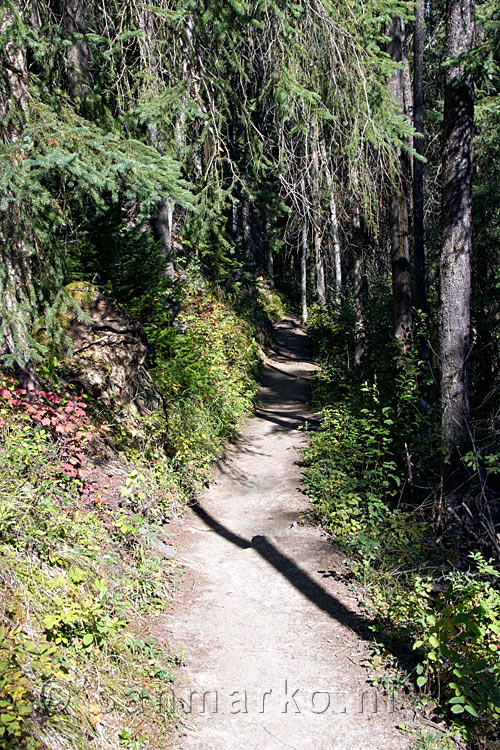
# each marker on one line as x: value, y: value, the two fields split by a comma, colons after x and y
x: 274, y: 642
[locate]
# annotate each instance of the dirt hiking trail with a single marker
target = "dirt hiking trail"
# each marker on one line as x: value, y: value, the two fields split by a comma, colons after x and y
x: 273, y: 640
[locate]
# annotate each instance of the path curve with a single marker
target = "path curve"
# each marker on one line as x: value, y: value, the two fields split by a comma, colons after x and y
x: 272, y: 638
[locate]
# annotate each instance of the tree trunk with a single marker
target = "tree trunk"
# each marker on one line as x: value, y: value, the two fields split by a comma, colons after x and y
x: 162, y: 225
x: 359, y: 284
x: 235, y: 215
x: 17, y: 294
x: 318, y: 240
x: 77, y: 53
x: 334, y: 227
x: 458, y: 130
x: 186, y: 76
x: 162, y: 221
x: 336, y: 246
x: 399, y: 218
x: 270, y: 267
x: 303, y: 255
x: 269, y: 255
x: 418, y: 167
x: 401, y: 271
x: 320, y: 267
x: 408, y: 97
x: 246, y: 221
x: 16, y: 289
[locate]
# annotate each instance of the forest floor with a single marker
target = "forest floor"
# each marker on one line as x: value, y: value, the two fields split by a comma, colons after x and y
x: 275, y: 640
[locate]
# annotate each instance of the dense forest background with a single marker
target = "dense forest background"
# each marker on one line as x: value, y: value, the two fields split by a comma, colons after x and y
x: 177, y: 175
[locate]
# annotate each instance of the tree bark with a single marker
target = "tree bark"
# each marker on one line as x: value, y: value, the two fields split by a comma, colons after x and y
x: 320, y: 267
x: 418, y: 166
x: 359, y: 284
x: 401, y: 270
x: 162, y: 222
x: 303, y: 255
x: 269, y: 255
x: 399, y: 215
x: 318, y: 239
x: 334, y: 227
x: 162, y: 226
x: 17, y: 294
x: 455, y: 272
x: 235, y: 215
x: 408, y: 96
x: 186, y: 75
x: 246, y: 221
x: 77, y: 53
x: 336, y: 247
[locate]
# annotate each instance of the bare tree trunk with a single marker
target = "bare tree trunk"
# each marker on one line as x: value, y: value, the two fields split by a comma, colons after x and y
x: 320, y: 267
x: 334, y: 226
x: 359, y: 294
x: 187, y: 63
x: 18, y: 298
x: 336, y: 246
x: 318, y: 250
x: 303, y: 255
x: 418, y: 167
x: 270, y: 267
x: 400, y: 246
x: 163, y: 221
x: 235, y: 217
x: 77, y: 53
x: 458, y: 131
x: 246, y: 220
x: 401, y: 275
x: 408, y: 98
x: 17, y: 294
x: 162, y: 225
x: 269, y: 256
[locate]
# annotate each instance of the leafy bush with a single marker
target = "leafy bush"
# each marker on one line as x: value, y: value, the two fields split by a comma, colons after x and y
x: 270, y: 300
x: 458, y: 636
x: 205, y: 368
x: 353, y: 479
x: 362, y: 465
x: 72, y: 594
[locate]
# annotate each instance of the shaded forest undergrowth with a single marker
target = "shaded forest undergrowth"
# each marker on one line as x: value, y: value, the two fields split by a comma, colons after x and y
x: 88, y: 493
x: 372, y: 473
x: 86, y: 497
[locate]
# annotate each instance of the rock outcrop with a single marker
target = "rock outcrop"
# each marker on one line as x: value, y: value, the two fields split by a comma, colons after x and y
x: 107, y: 353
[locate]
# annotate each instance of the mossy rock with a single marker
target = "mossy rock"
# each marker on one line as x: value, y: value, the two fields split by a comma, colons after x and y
x: 83, y: 293
x: 106, y: 351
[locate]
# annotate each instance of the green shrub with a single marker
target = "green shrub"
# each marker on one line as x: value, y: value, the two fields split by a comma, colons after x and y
x: 206, y: 371
x: 352, y: 479
x: 73, y: 596
x: 375, y: 444
x: 458, y: 637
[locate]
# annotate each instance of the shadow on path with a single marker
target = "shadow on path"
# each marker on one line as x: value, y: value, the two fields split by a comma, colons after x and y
x: 303, y: 582
x: 239, y: 541
x: 285, y: 420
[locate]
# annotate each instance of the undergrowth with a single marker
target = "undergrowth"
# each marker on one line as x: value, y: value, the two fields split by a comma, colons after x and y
x: 85, y: 502
x: 368, y: 471
x: 205, y: 369
x: 77, y: 582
